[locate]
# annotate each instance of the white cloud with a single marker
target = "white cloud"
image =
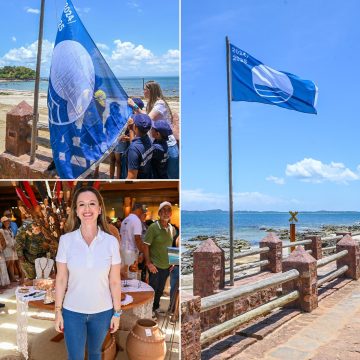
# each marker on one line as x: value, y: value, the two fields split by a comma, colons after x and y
x: 26, y: 56
x: 13, y: 38
x: 82, y: 11
x: 276, y: 180
x: 128, y: 58
x: 311, y: 170
x: 124, y: 58
x: 134, y: 4
x: 32, y: 11
x: 102, y: 46
x: 200, y: 200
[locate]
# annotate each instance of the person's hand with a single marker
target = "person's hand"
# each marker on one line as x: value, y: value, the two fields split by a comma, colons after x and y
x: 152, y: 268
x: 124, y: 138
x: 131, y: 102
x: 59, y: 322
x: 130, y: 122
x: 114, y: 324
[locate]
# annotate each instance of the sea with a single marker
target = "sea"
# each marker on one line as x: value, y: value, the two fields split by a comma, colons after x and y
x: 251, y: 225
x: 132, y: 85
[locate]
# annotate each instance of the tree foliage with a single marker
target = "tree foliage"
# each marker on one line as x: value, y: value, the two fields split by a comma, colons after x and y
x: 17, y: 72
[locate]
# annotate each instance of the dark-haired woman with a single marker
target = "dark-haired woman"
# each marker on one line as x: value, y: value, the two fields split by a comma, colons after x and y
x: 88, y: 286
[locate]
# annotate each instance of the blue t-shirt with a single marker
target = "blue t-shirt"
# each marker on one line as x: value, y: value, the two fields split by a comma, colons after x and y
x: 159, y: 160
x: 139, y: 156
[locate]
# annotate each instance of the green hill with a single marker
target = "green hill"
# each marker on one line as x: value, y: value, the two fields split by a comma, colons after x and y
x: 17, y: 72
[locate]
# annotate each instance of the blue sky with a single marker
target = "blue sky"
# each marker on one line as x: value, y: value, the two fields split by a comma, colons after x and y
x: 142, y: 33
x: 282, y: 160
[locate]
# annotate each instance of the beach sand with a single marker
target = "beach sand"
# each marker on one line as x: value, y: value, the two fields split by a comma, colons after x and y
x: 10, y: 98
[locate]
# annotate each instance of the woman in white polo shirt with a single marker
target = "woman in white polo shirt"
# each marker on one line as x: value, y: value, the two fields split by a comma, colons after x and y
x: 88, y: 285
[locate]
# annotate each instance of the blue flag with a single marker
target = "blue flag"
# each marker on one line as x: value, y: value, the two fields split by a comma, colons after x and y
x: 254, y: 81
x: 87, y: 105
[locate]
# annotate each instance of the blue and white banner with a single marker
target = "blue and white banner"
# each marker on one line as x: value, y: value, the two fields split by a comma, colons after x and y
x: 87, y: 105
x: 254, y: 81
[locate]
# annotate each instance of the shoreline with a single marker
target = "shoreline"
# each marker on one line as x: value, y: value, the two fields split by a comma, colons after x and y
x: 190, y: 245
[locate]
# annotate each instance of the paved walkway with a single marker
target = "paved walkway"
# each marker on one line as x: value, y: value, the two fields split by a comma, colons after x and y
x: 329, y: 332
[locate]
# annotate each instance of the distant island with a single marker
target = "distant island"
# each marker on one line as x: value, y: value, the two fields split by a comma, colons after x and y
x: 17, y: 73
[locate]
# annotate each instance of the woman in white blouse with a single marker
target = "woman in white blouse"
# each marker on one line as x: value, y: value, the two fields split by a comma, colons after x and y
x: 88, y: 285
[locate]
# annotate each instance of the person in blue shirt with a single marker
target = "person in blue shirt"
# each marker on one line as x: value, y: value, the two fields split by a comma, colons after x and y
x: 160, y: 132
x: 140, y: 151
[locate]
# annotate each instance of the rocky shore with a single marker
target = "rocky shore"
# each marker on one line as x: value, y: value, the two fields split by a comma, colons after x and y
x: 241, y: 244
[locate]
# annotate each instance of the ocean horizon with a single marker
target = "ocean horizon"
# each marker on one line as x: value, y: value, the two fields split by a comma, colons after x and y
x: 250, y: 225
x: 133, y: 85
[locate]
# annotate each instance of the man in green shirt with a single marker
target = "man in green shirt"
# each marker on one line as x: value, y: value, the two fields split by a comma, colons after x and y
x: 157, y: 239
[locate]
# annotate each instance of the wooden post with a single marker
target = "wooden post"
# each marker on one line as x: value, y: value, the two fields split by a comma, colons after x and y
x: 37, y: 85
x: 292, y: 235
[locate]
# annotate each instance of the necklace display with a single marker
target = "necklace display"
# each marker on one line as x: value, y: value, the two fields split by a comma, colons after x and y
x: 43, y: 267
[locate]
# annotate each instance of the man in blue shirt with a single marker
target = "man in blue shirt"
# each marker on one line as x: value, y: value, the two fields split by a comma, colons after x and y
x: 140, y: 151
x: 160, y: 131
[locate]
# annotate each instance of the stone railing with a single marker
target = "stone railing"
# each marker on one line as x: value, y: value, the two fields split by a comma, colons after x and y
x: 220, y: 312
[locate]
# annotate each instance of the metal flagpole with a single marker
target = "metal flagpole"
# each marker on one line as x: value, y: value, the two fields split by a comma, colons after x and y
x: 231, y: 211
x: 37, y: 83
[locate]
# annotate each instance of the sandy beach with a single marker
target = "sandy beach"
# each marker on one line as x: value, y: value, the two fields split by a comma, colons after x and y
x: 10, y: 98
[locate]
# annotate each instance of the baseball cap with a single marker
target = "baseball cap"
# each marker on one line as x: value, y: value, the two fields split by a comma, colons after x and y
x: 139, y: 206
x: 142, y: 121
x: 163, y: 127
x: 4, y: 218
x: 138, y: 102
x: 163, y: 204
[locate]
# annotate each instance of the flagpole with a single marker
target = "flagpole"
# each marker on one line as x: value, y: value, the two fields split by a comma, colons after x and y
x: 37, y: 85
x: 231, y: 210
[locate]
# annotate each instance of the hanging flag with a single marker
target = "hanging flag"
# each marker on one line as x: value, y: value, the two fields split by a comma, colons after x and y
x: 87, y: 105
x: 254, y: 81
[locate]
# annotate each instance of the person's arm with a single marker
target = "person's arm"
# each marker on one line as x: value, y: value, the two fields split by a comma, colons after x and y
x: 139, y: 243
x: 152, y: 268
x: 136, y: 109
x: 132, y: 174
x: 60, y: 288
x: 115, y: 289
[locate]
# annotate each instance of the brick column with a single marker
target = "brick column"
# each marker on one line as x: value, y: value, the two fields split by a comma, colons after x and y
x: 18, y: 129
x: 306, y: 283
x: 352, y: 259
x: 315, y: 246
x: 274, y: 255
x: 190, y: 327
x: 209, y: 269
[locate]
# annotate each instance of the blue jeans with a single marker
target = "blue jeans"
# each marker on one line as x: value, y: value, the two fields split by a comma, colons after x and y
x: 157, y: 281
x: 174, y: 285
x: 80, y: 329
x: 173, y: 162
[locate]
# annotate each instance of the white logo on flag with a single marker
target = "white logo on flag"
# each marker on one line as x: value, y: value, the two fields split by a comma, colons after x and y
x: 273, y: 85
x: 73, y: 78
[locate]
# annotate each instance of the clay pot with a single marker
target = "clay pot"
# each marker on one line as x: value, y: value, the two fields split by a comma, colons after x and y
x: 146, y: 341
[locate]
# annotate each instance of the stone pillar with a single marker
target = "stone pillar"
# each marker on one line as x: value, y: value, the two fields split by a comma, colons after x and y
x: 190, y: 327
x: 352, y: 259
x: 274, y: 255
x: 315, y: 246
x: 306, y: 283
x: 209, y: 269
x: 18, y: 129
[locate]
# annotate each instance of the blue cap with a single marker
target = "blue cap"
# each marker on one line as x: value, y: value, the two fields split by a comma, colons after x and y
x: 163, y: 127
x: 138, y: 102
x: 142, y: 121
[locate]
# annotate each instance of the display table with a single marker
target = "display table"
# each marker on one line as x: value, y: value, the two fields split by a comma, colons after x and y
x: 141, y: 307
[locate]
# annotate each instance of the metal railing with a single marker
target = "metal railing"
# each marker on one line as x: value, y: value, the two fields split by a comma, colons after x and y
x: 296, y: 243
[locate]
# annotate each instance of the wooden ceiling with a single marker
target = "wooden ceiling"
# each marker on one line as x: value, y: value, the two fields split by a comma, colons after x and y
x: 145, y: 191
